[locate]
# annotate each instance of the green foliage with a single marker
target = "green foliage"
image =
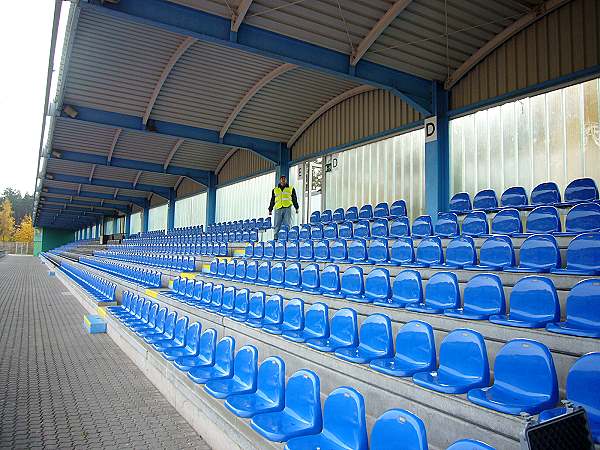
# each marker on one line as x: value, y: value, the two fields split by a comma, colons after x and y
x: 22, y: 205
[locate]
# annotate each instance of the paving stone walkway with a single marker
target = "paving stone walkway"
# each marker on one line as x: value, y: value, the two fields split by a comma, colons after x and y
x: 62, y: 388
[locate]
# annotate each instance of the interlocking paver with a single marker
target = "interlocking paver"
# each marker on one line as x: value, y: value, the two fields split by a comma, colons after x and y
x: 63, y: 388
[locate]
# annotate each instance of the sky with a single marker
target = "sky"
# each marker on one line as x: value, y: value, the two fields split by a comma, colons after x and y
x: 25, y: 30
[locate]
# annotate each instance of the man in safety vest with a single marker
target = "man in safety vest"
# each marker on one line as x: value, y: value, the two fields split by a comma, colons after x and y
x: 282, y: 199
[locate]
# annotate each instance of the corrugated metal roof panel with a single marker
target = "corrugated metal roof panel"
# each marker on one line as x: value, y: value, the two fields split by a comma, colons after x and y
x: 243, y: 163
x: 280, y: 107
x: 82, y: 137
x: 133, y: 193
x: 158, y: 179
x: 199, y: 155
x: 68, y: 167
x: 187, y: 187
x: 115, y: 173
x: 114, y: 64
x: 207, y: 83
x: 142, y: 146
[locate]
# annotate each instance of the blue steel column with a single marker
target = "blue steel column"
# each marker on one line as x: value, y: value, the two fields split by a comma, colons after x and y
x: 437, y: 158
x: 211, y: 199
x: 283, y: 169
x: 127, y: 224
x: 145, y: 214
x: 97, y: 230
x: 171, y: 209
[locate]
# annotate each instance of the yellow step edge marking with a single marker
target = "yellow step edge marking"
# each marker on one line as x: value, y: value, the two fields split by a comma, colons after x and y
x: 151, y: 293
x: 189, y: 275
x: 239, y: 252
x: 102, y: 311
x: 86, y: 320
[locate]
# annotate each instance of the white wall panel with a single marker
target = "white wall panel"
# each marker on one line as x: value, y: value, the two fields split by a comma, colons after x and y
x: 157, y: 218
x: 190, y: 211
x: 135, y: 223
x: 245, y: 200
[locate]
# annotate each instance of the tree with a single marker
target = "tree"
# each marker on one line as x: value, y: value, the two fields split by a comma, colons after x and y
x: 7, y: 221
x: 24, y: 232
x: 22, y: 204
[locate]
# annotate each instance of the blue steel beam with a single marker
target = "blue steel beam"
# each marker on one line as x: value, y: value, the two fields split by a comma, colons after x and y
x: 105, y: 205
x: 158, y: 190
x: 73, y: 211
x: 208, y: 27
x: 138, y: 201
x: 201, y: 176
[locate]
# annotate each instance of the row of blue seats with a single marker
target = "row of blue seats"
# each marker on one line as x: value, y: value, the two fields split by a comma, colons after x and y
x: 241, y: 225
x: 582, y: 218
x: 366, y: 212
x: 187, y: 231
x: 538, y: 253
x: 533, y: 301
x: 577, y: 191
x: 143, y: 277
x: 171, y: 240
x: 210, y: 248
x: 174, y: 262
x: 463, y: 361
x: 283, y: 412
x: 100, y: 289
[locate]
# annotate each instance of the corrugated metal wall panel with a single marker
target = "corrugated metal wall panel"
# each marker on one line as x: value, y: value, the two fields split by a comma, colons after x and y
x: 191, y: 211
x: 564, y: 41
x: 245, y: 200
x: 356, y: 118
x: 242, y: 164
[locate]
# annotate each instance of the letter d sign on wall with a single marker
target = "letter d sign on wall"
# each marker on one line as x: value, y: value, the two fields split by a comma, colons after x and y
x: 431, y: 129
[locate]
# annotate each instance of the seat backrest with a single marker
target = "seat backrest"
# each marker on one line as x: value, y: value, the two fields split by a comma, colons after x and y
x: 282, y: 234
x: 352, y: 281
x: 306, y: 250
x: 460, y: 203
x: 583, y: 252
x: 407, y: 287
x: 543, y: 219
x: 326, y: 216
x: 259, y: 249
x: 366, y: 212
x: 469, y: 444
x: 252, y: 270
x: 540, y: 251
x: 230, y: 268
x: 583, y: 304
x: 582, y: 375
x: 338, y: 250
x: 583, y: 218
x: 362, y: 229
x: 207, y: 292
x: 310, y: 276
x: 484, y: 294
x: 447, y: 225
x: 217, y: 296
x: 525, y: 367
x: 497, y: 251
x: 352, y: 213
x: 475, y: 224
x: 180, y: 329
x: 192, y: 335
x: 269, y: 249
x: 293, y: 274
x: 241, y: 301
x: 339, y: 215
x: 279, y: 251
x: 344, y: 326
x: 415, y: 343
x: 170, y: 321
x: 316, y: 319
x: 293, y: 233
x: 292, y: 250
x: 401, y: 427
x: 422, y: 227
x: 463, y: 352
x: 376, y: 334
x: 304, y: 232
x: 378, y: 251
x: 293, y: 314
x: 321, y: 250
x: 398, y: 209
x: 207, y: 345
x: 264, y: 272
x: 380, y: 227
x: 330, y: 279
x: 514, y: 197
x: 152, y: 314
x: 303, y: 396
x: 402, y: 251
x: 159, y: 323
x: 245, y: 366
x: 442, y: 290
x: 224, y: 354
x: 357, y: 249
x: 256, y: 305
x: 228, y: 302
x: 271, y: 379
x: 507, y: 221
x: 274, y: 310
x: 316, y: 231
x: 381, y: 210
x: 315, y: 217
x: 377, y: 284
x: 485, y: 199
x: 346, y: 230
x: 534, y: 298
x: 399, y: 227
x: 330, y: 231
x: 581, y: 190
x: 461, y: 251
x: 545, y: 194
x: 429, y: 251
x: 240, y: 269
x: 344, y: 418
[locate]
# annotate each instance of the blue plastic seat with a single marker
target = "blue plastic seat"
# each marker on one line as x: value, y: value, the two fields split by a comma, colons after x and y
x: 545, y: 194
x: 228, y: 301
x: 485, y: 200
x: 315, y: 217
x: 292, y: 250
x: 583, y: 256
x: 357, y: 251
x: 583, y: 311
x: 216, y: 298
x: 330, y: 281
x: 460, y: 252
x: 205, y: 355
x: 381, y: 210
x: 301, y: 415
x: 406, y: 289
x: 338, y: 215
x: 582, y: 218
x: 398, y: 429
x: 375, y: 341
x: 292, y: 276
x: 177, y: 339
x: 402, y: 251
x: 580, y: 190
x: 316, y: 325
x: 269, y: 250
x: 338, y: 250
x: 273, y: 311
x: 441, y: 293
x: 222, y: 366
x: 306, y: 250
x: 365, y: 212
x: 343, y: 332
x: 256, y: 309
x: 543, y: 219
x: 447, y: 225
x: 380, y: 227
x: 222, y: 268
x: 293, y: 233
x: 377, y: 286
x: 583, y: 375
x: 304, y: 233
x: 429, y: 251
x: 160, y: 332
x: 475, y: 224
x: 398, y: 209
x: 483, y: 297
x: 264, y: 273
x: 415, y: 351
x: 352, y: 283
x: 533, y: 304
x: 399, y: 227
x: 524, y: 380
x: 460, y: 203
x: 259, y: 249
x: 316, y: 231
x: 496, y: 253
x: 241, y: 303
x: 330, y: 231
x: 282, y: 234
x: 514, y: 197
x: 243, y: 376
x: 279, y: 251
x: 507, y: 221
x: 463, y: 364
x: 269, y: 394
x: 251, y: 271
x: 346, y: 230
x: 362, y: 229
x: 422, y: 227
x: 321, y: 250
x: 470, y: 444
x: 292, y: 318
x: 240, y: 269
x: 249, y: 250
x: 344, y: 424
x: 538, y: 253
x: 378, y: 251
x: 310, y: 279
x: 326, y: 216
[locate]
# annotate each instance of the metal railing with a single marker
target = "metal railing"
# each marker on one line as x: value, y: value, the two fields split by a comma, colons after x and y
x: 17, y: 248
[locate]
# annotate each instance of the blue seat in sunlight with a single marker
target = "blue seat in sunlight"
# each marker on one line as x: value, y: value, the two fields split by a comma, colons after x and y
x: 441, y: 293
x: 422, y: 227
x: 485, y: 200
x: 583, y: 311
x: 475, y: 224
x: 483, y: 296
x: 343, y: 332
x: 243, y: 376
x: 460, y: 203
x: 375, y: 341
x: 398, y: 429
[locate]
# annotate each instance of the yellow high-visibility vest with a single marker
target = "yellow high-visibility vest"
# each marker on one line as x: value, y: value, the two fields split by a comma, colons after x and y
x: 283, y: 198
